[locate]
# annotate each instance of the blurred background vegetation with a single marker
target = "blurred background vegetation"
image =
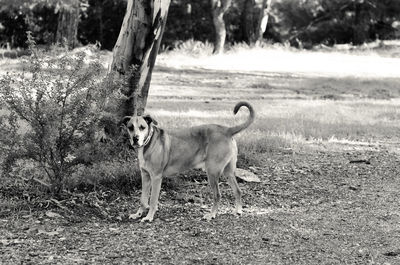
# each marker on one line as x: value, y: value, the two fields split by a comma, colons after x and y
x: 299, y: 23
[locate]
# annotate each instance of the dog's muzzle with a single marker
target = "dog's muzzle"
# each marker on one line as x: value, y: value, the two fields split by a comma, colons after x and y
x: 134, y: 140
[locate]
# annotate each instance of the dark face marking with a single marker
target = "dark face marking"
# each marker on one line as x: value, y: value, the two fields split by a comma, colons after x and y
x: 149, y: 120
x: 125, y: 120
x: 138, y: 129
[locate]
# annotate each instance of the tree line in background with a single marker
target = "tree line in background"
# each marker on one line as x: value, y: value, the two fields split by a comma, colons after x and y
x: 301, y: 23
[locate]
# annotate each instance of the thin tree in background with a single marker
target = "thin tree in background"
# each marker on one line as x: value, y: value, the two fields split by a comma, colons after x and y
x: 255, y: 20
x: 68, y: 12
x: 136, y: 49
x: 262, y: 22
x: 68, y: 20
x: 361, y: 18
x: 218, y: 9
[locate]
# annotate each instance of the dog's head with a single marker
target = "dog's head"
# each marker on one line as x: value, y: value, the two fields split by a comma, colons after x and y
x: 138, y: 128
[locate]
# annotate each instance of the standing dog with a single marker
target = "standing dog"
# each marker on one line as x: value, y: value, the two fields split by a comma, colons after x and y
x: 210, y: 146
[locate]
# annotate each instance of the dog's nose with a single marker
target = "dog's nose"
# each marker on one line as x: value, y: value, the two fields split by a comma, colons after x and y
x: 135, y: 139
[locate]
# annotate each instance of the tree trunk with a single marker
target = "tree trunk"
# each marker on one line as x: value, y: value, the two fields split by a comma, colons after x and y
x: 360, y: 27
x: 248, y: 21
x: 218, y: 9
x: 255, y: 19
x: 67, y: 26
x: 136, y: 49
x: 99, y: 13
x: 263, y: 19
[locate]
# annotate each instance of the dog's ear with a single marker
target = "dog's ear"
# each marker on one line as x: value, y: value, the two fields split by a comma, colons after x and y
x: 125, y: 120
x: 149, y: 119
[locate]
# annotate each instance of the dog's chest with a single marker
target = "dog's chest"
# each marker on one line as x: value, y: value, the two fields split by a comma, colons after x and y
x: 143, y: 163
x: 152, y: 162
x: 141, y: 159
x: 201, y: 165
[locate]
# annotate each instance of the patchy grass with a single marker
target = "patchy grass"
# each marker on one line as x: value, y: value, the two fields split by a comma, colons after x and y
x: 288, y: 114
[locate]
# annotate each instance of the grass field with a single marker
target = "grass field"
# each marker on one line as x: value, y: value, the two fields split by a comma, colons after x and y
x: 325, y: 144
x: 295, y: 110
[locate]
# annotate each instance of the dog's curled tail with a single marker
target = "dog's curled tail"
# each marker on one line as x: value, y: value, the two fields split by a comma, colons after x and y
x: 236, y: 129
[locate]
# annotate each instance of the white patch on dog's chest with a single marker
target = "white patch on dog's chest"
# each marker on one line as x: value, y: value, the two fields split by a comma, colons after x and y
x: 141, y: 158
x: 201, y: 165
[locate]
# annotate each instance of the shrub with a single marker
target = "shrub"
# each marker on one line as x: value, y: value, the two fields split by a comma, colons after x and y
x: 116, y: 174
x: 53, y: 108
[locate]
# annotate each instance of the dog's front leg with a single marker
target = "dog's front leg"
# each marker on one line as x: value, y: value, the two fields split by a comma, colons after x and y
x: 144, y: 198
x: 155, y: 193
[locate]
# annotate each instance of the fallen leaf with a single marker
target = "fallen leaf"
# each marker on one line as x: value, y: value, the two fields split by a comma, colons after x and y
x: 10, y: 242
x: 52, y: 233
x: 247, y: 175
x: 53, y: 214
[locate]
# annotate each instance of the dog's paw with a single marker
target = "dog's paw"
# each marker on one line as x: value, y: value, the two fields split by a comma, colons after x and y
x: 147, y: 219
x: 238, y: 212
x: 135, y: 216
x: 209, y: 216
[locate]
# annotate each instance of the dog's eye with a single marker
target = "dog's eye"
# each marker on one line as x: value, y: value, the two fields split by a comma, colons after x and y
x: 130, y: 127
x: 141, y: 127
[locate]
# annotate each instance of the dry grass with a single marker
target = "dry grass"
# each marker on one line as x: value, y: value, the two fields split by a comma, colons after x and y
x: 293, y: 124
x: 287, y: 123
x: 302, y: 98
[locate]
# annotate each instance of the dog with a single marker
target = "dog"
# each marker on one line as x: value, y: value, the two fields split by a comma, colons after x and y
x: 162, y: 154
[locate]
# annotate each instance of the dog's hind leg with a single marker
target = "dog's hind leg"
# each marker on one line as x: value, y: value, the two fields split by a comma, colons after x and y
x: 229, y: 173
x: 144, y: 198
x: 213, y: 174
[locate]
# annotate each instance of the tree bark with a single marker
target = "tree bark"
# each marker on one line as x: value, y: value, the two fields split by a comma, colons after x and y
x: 136, y: 49
x: 99, y: 12
x: 360, y: 27
x: 218, y: 9
x: 67, y: 26
x: 248, y: 21
x: 254, y: 20
x: 263, y: 19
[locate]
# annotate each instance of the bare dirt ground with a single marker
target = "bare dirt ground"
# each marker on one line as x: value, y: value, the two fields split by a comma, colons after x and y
x: 319, y: 202
x: 308, y: 209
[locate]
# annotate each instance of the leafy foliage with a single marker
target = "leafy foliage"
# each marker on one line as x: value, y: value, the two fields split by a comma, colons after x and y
x: 339, y: 21
x: 54, y: 108
x: 38, y: 16
x: 101, y: 22
x: 305, y: 22
x: 188, y: 20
